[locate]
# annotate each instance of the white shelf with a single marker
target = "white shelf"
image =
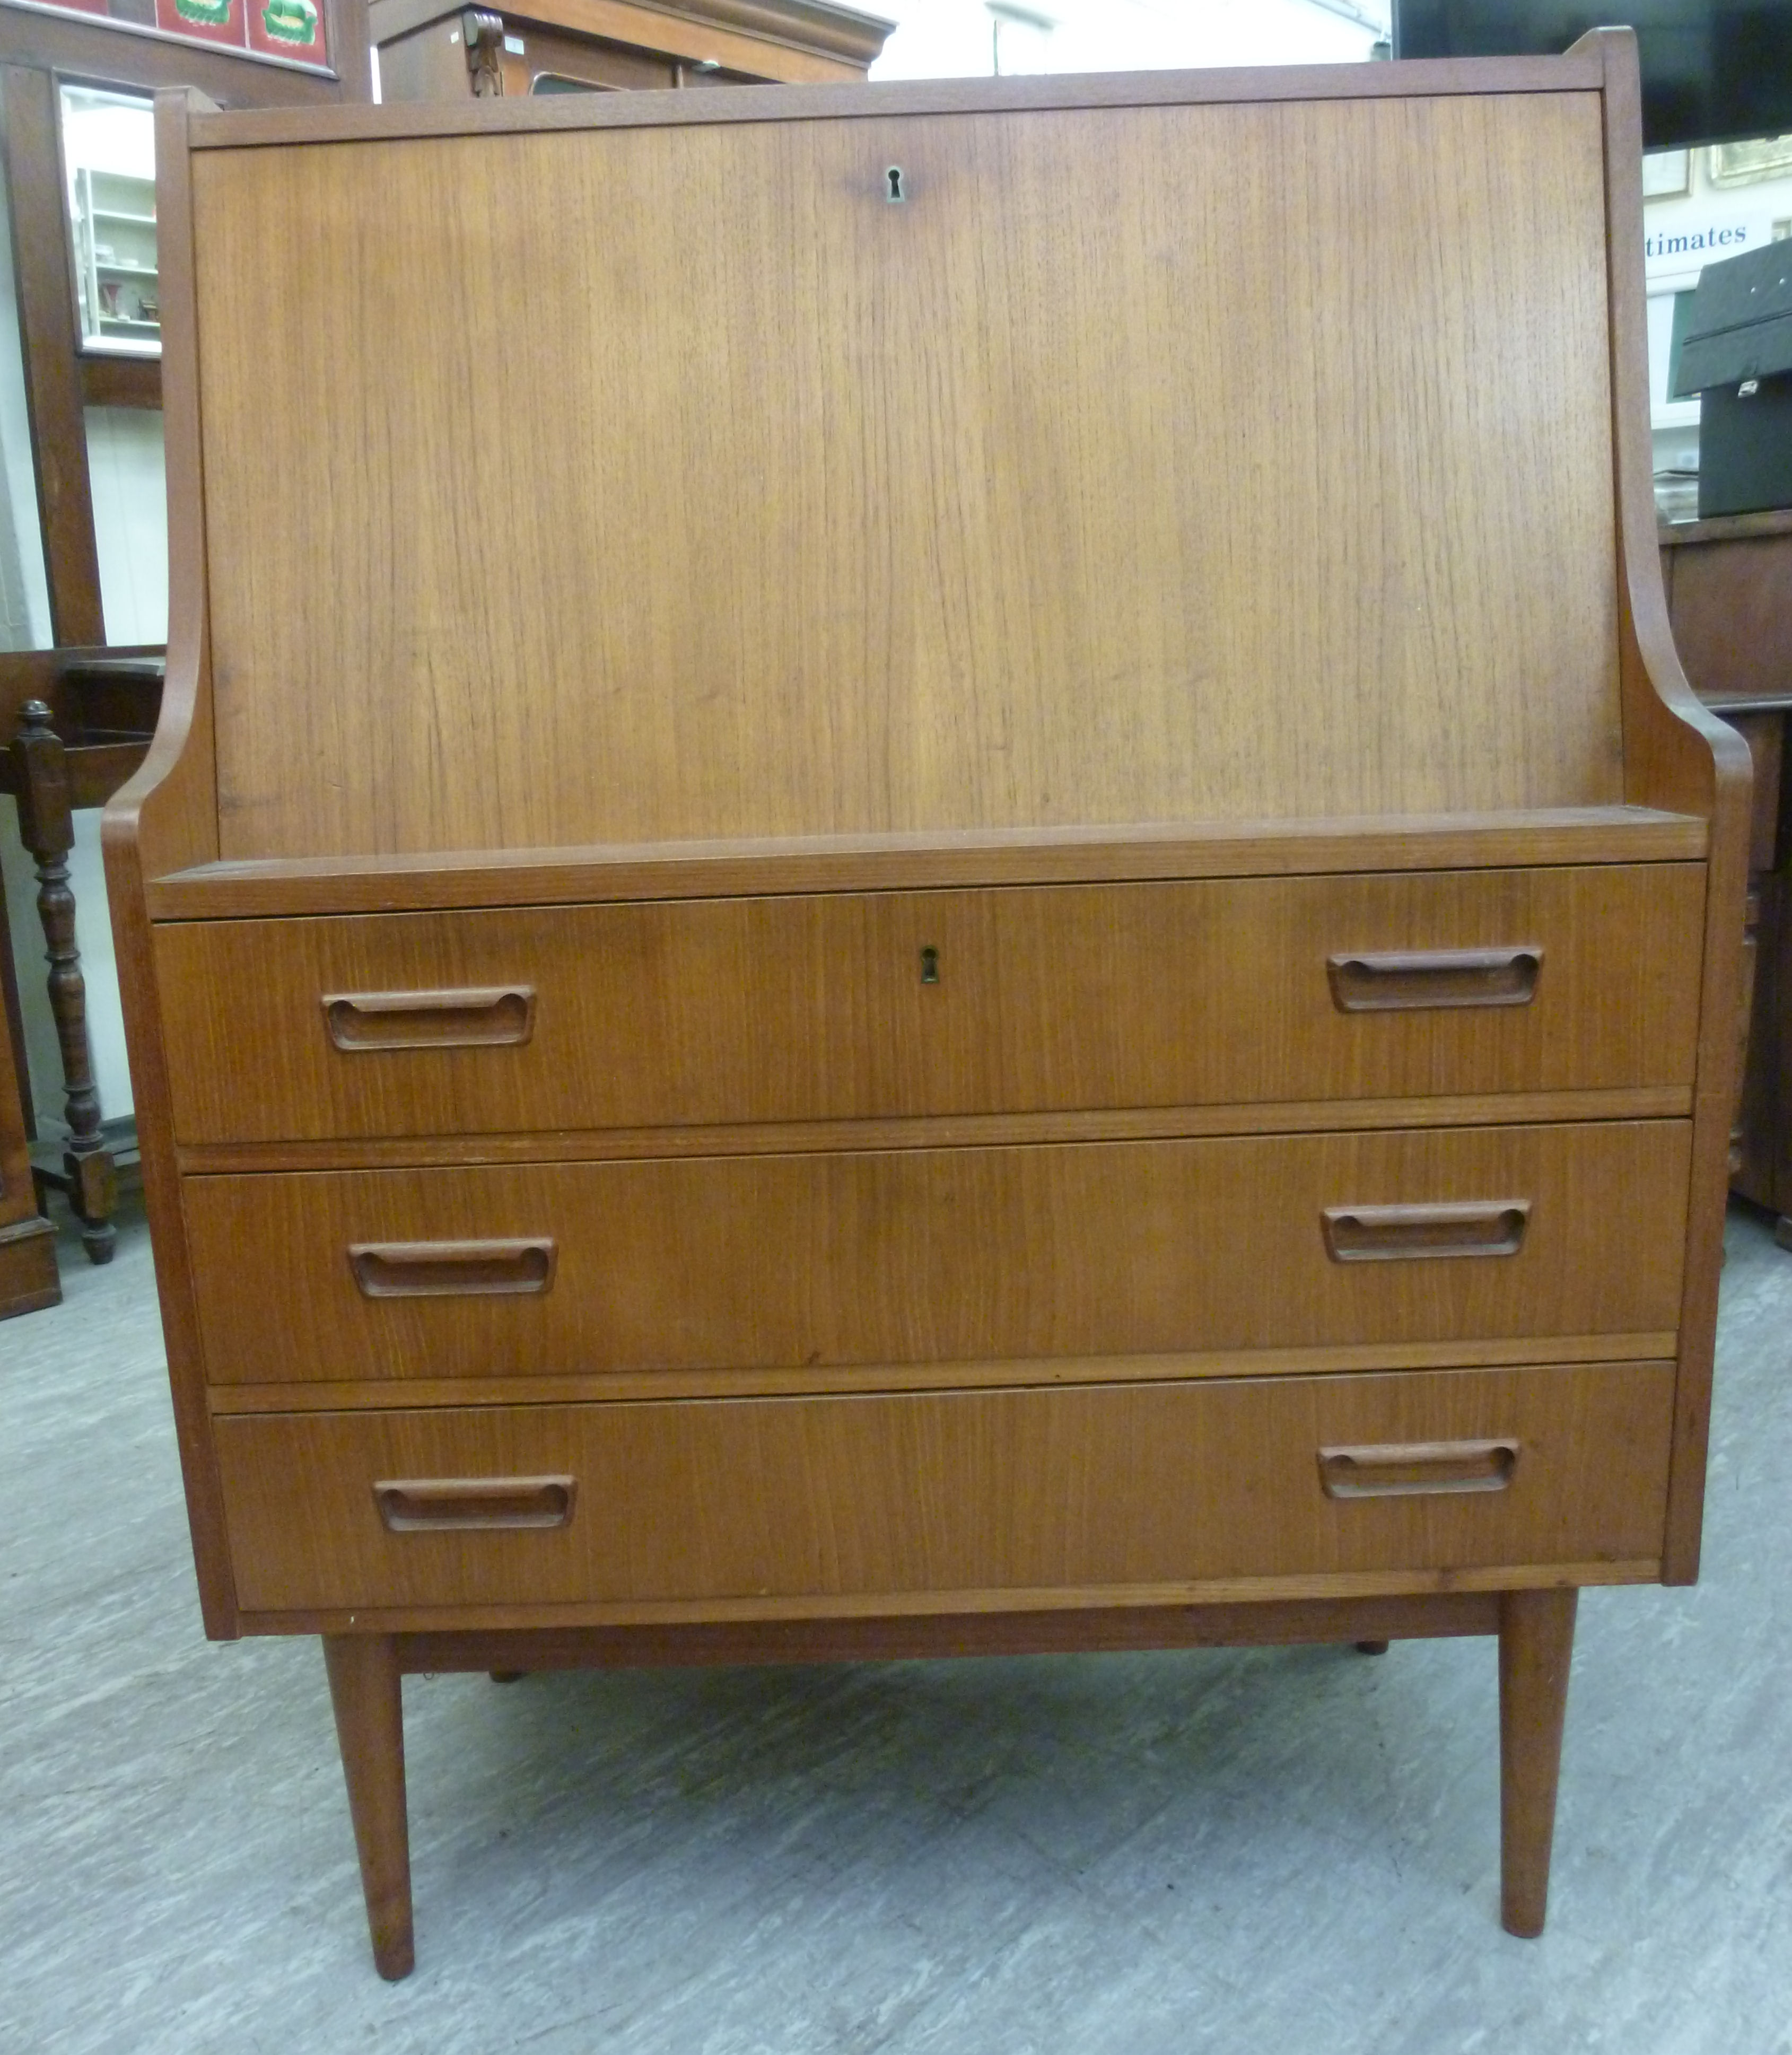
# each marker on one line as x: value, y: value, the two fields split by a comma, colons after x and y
x: 114, y: 234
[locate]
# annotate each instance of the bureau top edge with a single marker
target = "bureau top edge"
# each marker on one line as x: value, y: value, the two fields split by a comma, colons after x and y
x: 442, y: 879
x: 1580, y: 71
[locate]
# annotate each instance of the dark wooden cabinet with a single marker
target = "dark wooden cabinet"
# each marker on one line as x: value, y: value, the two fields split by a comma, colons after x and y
x: 1729, y: 596
x: 433, y: 49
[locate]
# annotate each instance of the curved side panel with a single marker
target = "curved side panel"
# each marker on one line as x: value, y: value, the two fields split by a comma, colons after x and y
x: 169, y: 810
x: 164, y: 818
x: 1677, y: 755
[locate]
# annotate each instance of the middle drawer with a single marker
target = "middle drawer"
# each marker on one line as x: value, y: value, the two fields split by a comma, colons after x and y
x: 810, y: 1261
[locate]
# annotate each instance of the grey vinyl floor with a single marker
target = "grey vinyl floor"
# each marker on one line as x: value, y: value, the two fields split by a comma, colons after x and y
x: 1276, y: 1850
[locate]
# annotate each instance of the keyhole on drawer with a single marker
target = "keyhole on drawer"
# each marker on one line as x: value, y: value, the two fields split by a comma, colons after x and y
x: 894, y: 175
x: 930, y: 966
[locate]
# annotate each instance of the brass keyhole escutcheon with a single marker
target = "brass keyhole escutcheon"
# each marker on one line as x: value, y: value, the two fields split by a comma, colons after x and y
x: 929, y: 965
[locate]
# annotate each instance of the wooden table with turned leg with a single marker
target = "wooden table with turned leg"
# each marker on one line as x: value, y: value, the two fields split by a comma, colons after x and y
x: 72, y: 749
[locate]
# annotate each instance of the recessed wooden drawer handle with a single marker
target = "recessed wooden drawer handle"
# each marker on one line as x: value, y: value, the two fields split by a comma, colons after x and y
x: 431, y: 1505
x: 1390, y: 1234
x: 448, y: 1269
x: 486, y: 1016
x: 1400, y: 981
x: 1411, y: 1469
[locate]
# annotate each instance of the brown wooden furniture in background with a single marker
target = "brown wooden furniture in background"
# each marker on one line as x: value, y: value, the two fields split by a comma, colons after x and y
x: 431, y: 49
x: 1730, y: 597
x: 37, y: 50
x: 28, y: 1272
x: 82, y: 724
x: 862, y: 1026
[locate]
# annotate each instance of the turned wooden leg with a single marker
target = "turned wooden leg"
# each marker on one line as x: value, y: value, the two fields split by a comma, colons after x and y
x: 1535, y: 1643
x: 363, y: 1689
x: 46, y: 827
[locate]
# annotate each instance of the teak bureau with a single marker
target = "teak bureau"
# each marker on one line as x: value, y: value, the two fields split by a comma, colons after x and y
x: 927, y: 873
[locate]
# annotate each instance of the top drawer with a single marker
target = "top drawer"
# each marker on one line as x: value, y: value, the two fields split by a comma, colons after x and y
x: 869, y: 1005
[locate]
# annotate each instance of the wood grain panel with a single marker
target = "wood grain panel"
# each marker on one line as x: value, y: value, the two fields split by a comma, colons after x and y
x: 848, y: 1638
x: 1581, y: 70
x: 1478, y: 1352
x: 1315, y: 1587
x: 166, y: 816
x: 815, y: 1008
x: 969, y: 1131
x: 287, y: 886
x: 1677, y: 755
x: 941, y: 1256
x: 169, y: 812
x: 1731, y: 605
x: 827, y: 1499
x: 1240, y: 549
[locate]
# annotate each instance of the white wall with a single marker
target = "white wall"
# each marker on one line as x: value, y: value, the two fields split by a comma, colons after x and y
x: 954, y: 38
x: 129, y: 483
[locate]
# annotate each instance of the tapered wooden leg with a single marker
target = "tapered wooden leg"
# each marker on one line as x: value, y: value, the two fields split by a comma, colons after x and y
x: 1535, y: 1643
x: 363, y: 1689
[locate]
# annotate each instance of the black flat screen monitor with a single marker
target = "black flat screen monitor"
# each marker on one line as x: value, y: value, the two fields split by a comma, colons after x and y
x: 1714, y: 71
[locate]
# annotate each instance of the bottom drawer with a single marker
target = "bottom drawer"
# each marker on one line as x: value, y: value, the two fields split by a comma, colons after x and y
x: 1020, y: 1492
